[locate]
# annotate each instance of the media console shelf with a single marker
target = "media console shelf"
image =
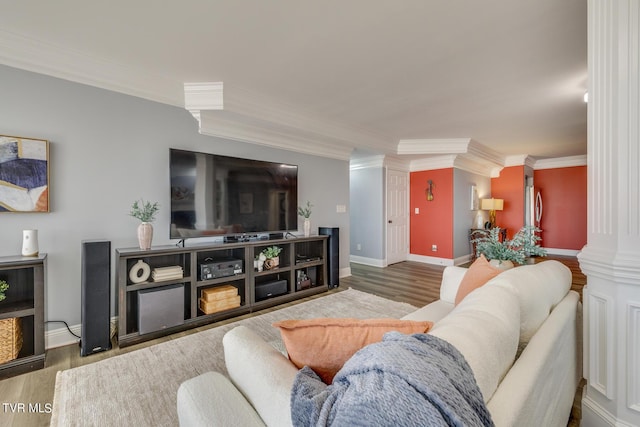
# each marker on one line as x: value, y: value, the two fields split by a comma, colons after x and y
x: 208, y: 275
x: 25, y: 302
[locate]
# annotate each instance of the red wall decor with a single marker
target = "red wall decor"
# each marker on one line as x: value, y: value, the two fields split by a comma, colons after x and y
x: 433, y: 224
x: 509, y: 186
x: 564, y: 201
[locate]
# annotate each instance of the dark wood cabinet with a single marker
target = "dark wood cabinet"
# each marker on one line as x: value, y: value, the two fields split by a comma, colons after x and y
x: 301, y: 272
x: 24, y: 302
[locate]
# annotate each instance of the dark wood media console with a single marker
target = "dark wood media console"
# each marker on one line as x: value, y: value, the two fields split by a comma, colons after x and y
x: 24, y: 301
x: 300, y: 257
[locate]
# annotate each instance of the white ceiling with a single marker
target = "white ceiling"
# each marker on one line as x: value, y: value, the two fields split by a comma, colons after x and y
x: 509, y: 74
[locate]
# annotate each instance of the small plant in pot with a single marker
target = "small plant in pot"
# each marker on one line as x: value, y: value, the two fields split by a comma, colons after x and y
x: 272, y: 255
x: 523, y: 245
x: 146, y: 213
x: 306, y: 214
x: 3, y: 288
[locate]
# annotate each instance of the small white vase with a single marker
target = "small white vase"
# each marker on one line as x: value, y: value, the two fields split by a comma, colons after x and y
x: 145, y: 235
x: 307, y: 227
x: 478, y: 222
x: 501, y: 264
x: 30, y: 243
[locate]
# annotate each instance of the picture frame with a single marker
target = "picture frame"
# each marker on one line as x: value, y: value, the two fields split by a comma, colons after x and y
x: 24, y: 174
x: 475, y: 201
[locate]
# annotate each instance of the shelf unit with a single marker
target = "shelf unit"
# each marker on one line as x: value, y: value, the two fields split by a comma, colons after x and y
x: 301, y: 256
x: 25, y: 300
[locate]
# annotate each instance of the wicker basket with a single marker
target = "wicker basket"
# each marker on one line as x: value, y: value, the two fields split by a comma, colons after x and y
x: 10, y: 339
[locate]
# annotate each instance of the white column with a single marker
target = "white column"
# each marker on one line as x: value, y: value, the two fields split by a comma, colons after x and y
x: 611, y: 258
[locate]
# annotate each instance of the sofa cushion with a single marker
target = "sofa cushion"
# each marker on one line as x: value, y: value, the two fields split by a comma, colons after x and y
x: 324, y: 344
x: 484, y: 327
x: 451, y: 278
x: 479, y: 273
x: 540, y: 287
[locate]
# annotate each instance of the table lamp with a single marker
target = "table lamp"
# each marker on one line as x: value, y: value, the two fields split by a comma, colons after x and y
x: 492, y: 205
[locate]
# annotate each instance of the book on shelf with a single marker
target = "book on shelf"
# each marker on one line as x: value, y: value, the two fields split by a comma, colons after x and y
x: 167, y: 273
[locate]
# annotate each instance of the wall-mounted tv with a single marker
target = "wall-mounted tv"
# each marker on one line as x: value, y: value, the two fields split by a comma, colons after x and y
x: 213, y: 195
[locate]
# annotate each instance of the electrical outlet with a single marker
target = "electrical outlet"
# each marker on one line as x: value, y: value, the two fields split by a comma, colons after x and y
x: 434, y: 248
x: 417, y: 211
x: 341, y: 208
x: 359, y: 247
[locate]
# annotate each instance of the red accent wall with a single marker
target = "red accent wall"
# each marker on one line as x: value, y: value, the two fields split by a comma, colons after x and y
x: 564, y: 201
x: 434, y: 224
x: 509, y: 186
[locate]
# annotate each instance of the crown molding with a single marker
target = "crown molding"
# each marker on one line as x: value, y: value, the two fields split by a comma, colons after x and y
x: 370, y: 162
x: 239, y: 128
x: 519, y: 160
x: 52, y: 60
x: 231, y: 112
x: 397, y: 163
x: 561, y: 162
x: 462, y: 153
x: 477, y: 166
x: 431, y: 163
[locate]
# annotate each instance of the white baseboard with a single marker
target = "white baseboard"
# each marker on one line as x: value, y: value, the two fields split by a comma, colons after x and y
x: 430, y: 260
x: 562, y: 252
x: 594, y: 415
x: 60, y: 336
x: 344, y: 272
x: 374, y: 262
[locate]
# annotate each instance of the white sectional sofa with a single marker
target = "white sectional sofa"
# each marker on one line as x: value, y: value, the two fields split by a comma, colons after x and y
x: 520, y: 333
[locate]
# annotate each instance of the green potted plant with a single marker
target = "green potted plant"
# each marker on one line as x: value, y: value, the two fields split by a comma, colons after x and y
x: 272, y: 255
x: 306, y: 214
x: 146, y: 213
x: 3, y: 287
x: 503, y: 254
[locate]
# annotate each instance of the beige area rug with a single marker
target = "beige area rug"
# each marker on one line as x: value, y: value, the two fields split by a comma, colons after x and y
x: 140, y: 388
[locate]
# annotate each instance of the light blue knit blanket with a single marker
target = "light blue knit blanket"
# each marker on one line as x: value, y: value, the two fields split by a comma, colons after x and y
x: 405, y: 380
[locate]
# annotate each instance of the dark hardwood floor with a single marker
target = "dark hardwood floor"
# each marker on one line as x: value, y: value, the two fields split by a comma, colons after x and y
x: 411, y: 282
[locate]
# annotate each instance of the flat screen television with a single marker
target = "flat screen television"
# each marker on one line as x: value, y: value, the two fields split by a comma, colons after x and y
x: 213, y: 195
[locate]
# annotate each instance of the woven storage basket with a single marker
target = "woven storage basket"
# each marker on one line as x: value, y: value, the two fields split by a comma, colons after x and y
x: 10, y: 339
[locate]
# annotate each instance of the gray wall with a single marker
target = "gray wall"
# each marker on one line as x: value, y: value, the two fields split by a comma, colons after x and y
x: 109, y: 149
x: 463, y: 216
x: 367, y: 212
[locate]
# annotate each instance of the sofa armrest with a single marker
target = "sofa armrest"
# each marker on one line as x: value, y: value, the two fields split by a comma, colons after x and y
x: 261, y: 373
x: 539, y: 388
x: 211, y: 400
x: 451, y: 278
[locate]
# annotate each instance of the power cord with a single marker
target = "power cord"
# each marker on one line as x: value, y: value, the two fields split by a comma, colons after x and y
x: 65, y: 324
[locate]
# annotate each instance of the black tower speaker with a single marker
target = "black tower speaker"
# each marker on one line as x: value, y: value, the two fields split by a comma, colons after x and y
x: 96, y: 296
x: 333, y: 263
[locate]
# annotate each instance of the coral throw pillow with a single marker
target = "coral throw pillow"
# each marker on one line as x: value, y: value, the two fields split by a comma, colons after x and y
x: 477, y: 275
x: 325, y: 344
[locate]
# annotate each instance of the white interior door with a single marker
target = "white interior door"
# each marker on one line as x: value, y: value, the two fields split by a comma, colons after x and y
x: 397, y: 216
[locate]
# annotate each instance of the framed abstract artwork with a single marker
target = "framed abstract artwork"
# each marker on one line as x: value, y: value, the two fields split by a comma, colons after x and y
x: 24, y: 174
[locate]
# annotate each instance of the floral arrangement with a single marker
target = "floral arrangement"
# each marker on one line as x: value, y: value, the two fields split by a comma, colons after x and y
x: 306, y: 211
x: 3, y: 287
x: 523, y: 245
x: 271, y: 251
x: 144, y: 211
